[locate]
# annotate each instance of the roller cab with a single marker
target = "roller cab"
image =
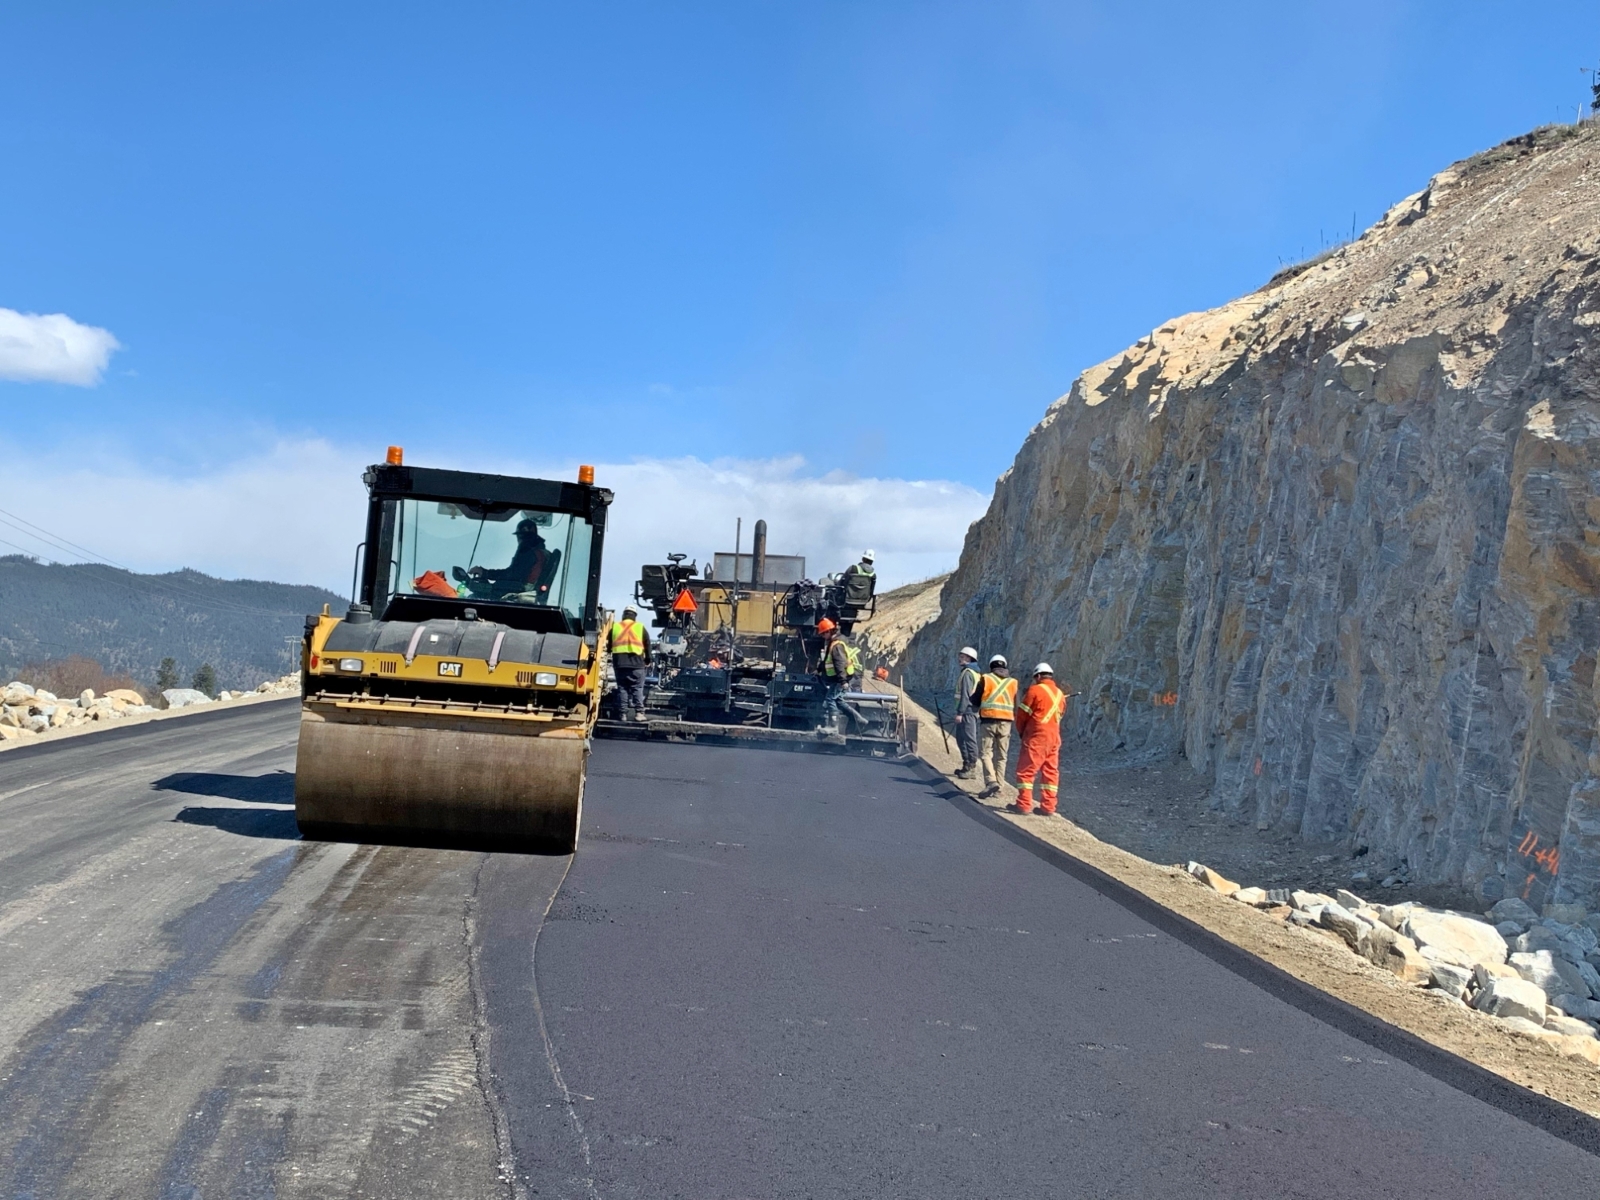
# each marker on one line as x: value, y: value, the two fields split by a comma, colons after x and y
x: 453, y: 703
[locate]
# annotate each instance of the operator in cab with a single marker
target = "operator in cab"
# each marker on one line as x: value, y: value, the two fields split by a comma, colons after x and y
x: 530, y: 573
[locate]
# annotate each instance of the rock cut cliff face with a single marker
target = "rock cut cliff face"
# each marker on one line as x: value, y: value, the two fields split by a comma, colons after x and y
x: 1338, y: 542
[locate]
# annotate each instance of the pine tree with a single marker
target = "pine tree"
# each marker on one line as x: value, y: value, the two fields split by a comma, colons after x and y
x: 167, y: 675
x: 205, y: 680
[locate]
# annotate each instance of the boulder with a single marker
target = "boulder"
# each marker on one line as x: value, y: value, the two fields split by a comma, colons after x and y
x: 1393, y: 915
x: 1213, y: 880
x: 1567, y: 914
x: 86, y: 698
x: 1306, y: 901
x: 1539, y: 937
x: 1343, y: 922
x: 126, y: 695
x: 1395, y: 953
x: 44, y: 696
x: 1513, y: 909
x: 37, y: 724
x: 1484, y: 973
x: 1450, y: 979
x: 1512, y: 998
x: 183, y: 698
x: 1251, y: 895
x: 1465, y: 940
x: 1556, y: 976
x: 10, y: 733
x: 1349, y: 900
x: 1569, y: 1026
x: 16, y: 693
x: 60, y: 715
x: 1577, y: 1006
x: 13, y: 715
x: 1510, y: 929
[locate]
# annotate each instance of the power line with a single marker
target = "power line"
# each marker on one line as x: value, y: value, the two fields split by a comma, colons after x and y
x: 57, y: 542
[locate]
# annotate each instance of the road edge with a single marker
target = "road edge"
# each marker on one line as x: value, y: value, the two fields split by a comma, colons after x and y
x: 1576, y: 1124
x: 111, y: 731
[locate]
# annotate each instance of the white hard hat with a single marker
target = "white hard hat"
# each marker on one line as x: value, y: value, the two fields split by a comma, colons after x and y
x: 999, y: 660
x: 628, y: 608
x: 1043, y: 669
x: 969, y: 652
x: 867, y: 557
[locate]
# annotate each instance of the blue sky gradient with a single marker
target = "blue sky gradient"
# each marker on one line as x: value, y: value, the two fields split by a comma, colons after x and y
x: 880, y: 236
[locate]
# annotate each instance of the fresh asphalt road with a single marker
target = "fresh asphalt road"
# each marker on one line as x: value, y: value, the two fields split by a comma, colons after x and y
x: 763, y: 975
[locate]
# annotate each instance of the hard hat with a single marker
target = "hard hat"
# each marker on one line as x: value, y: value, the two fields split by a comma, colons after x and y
x: 969, y: 652
x: 1043, y: 669
x: 999, y: 660
x: 867, y: 557
x: 826, y: 626
x: 629, y: 610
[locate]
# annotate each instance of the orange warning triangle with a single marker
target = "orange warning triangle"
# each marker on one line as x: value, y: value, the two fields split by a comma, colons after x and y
x: 685, y: 602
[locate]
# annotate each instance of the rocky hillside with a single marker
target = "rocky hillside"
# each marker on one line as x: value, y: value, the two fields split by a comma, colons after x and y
x: 1338, y: 542
x: 900, y: 613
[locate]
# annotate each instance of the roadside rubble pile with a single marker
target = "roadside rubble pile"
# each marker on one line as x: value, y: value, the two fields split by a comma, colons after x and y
x: 27, y: 712
x: 1537, y: 973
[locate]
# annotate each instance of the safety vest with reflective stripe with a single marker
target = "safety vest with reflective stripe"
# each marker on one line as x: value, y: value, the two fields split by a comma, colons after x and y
x: 999, y: 698
x: 966, y: 684
x: 627, y: 637
x: 1043, y: 703
x: 852, y: 655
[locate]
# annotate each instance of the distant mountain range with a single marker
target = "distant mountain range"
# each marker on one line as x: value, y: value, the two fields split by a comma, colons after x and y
x: 129, y: 622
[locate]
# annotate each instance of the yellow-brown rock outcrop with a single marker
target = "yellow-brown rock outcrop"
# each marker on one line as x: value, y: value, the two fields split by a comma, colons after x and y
x: 1338, y: 542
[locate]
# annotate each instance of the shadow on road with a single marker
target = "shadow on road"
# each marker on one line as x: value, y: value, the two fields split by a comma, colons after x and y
x: 276, y: 787
x: 276, y: 824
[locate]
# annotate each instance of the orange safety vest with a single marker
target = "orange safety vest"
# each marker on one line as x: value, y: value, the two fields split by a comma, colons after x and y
x: 1043, y: 704
x: 999, y: 698
x: 627, y: 637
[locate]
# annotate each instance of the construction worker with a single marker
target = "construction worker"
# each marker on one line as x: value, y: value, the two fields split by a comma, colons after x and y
x: 995, y: 698
x: 836, y: 664
x: 967, y: 712
x: 1039, y: 715
x: 629, y: 644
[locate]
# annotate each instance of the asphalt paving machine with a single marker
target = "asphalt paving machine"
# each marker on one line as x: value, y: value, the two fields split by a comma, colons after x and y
x: 453, y: 703
x: 736, y: 658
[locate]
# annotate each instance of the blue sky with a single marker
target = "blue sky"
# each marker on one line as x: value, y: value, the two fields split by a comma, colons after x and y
x: 880, y: 237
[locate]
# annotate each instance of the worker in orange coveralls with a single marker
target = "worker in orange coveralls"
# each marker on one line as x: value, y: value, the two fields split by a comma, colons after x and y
x: 1039, y: 726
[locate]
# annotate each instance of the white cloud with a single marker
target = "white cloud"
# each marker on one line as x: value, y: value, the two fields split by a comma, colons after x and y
x: 294, y: 513
x: 52, y: 348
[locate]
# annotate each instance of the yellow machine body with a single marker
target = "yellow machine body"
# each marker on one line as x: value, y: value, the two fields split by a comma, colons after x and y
x: 416, y: 729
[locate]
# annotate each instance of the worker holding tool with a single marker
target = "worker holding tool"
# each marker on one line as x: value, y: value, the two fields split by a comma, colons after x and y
x: 629, y: 644
x: 995, y: 698
x: 1039, y: 726
x: 966, y: 715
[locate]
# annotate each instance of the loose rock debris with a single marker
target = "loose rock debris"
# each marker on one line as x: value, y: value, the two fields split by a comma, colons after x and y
x: 28, y: 713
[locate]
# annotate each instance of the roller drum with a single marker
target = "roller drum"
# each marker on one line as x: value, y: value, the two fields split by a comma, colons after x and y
x: 459, y: 781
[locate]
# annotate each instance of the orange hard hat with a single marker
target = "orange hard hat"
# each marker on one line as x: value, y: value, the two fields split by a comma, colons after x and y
x: 826, y: 625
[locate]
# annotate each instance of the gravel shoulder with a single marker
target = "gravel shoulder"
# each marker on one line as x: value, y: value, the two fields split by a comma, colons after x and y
x: 1161, y: 810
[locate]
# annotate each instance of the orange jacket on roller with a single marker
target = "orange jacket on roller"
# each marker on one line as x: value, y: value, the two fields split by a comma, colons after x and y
x: 1039, y: 712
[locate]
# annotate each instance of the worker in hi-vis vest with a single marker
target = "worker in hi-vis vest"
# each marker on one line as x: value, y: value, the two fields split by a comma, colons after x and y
x: 629, y: 644
x: 840, y: 660
x: 967, y: 677
x: 1039, y: 714
x: 995, y: 698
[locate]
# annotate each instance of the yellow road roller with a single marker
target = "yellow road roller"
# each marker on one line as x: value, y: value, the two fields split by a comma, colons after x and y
x: 453, y: 704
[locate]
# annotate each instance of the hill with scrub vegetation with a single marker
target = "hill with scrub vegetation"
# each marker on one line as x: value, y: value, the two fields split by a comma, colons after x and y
x: 128, y: 623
